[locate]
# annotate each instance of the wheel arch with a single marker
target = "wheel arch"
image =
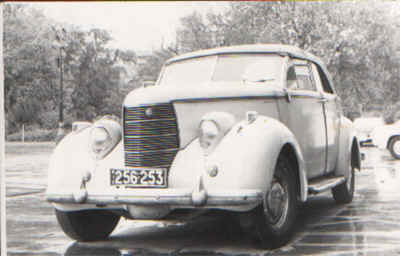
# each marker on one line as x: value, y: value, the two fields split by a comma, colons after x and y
x: 349, y: 149
x: 356, y: 154
x: 291, y: 152
x: 390, y: 139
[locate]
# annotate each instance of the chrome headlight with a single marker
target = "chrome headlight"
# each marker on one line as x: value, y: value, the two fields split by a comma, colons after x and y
x: 209, y: 135
x: 104, y: 136
x: 212, y: 129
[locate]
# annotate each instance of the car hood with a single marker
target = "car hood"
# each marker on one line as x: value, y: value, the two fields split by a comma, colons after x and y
x: 166, y: 94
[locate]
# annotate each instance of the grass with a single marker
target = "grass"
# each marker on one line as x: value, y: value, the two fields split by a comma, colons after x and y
x: 34, y: 135
x: 32, y: 147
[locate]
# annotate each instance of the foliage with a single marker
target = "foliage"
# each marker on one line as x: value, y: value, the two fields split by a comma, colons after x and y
x: 391, y: 113
x: 37, y: 51
x: 356, y: 40
x: 28, y: 70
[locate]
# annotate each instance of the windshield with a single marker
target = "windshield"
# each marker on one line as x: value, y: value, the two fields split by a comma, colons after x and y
x: 248, y: 68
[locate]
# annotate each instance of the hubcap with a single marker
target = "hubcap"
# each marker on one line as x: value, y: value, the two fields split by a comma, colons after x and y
x: 396, y: 147
x: 277, y: 203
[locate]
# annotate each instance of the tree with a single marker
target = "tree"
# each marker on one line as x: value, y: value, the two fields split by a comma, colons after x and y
x: 28, y: 63
x: 355, y: 40
x: 33, y: 46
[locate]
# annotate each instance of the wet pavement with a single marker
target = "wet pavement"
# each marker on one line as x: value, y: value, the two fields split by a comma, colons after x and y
x: 370, y: 225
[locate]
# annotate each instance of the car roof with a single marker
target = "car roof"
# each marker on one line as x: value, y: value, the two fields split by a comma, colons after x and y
x: 283, y: 49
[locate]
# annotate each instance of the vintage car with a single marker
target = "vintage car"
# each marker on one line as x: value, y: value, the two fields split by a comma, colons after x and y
x: 251, y: 130
x: 388, y: 137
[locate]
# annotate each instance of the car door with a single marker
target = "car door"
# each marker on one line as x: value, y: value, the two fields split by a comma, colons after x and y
x: 332, y: 109
x: 305, y: 116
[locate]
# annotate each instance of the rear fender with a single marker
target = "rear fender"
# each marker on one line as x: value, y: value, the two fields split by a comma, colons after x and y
x: 245, y: 158
x: 349, y: 149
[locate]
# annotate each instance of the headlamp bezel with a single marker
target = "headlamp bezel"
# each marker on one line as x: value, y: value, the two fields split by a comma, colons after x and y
x: 222, y: 121
x: 207, y: 141
x: 113, y: 132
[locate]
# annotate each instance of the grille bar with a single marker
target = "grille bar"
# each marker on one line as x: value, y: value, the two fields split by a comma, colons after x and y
x: 160, y: 111
x: 157, y: 127
x: 150, y: 136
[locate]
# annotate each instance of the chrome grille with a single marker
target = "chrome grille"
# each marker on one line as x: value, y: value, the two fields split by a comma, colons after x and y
x: 150, y: 140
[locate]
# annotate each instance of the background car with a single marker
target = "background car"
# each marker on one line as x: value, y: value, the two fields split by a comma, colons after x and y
x: 252, y: 130
x: 388, y: 137
x: 364, y: 127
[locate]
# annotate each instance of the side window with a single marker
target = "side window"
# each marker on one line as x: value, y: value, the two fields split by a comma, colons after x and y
x: 299, y: 78
x: 321, y: 79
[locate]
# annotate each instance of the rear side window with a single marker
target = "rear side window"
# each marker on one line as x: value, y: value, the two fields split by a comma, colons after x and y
x: 299, y: 78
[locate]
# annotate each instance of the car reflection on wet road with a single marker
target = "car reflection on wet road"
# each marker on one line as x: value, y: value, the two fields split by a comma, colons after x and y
x: 370, y: 225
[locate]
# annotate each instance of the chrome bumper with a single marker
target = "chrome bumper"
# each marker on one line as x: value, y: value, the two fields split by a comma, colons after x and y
x: 177, y: 197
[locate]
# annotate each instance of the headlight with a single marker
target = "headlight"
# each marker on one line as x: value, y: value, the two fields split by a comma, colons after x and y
x: 209, y: 132
x: 105, y: 135
x: 212, y: 129
x: 100, y: 139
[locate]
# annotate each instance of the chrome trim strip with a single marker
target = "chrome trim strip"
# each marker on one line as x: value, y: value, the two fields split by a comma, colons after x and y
x: 150, y: 120
x: 278, y: 96
x: 149, y: 136
x: 151, y: 151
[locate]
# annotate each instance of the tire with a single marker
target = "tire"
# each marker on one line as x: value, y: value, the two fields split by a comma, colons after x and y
x: 394, y: 147
x: 344, y: 193
x: 275, y: 219
x: 88, y: 225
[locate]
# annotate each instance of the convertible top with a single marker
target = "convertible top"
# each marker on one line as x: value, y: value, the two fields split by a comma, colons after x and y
x: 281, y: 49
x: 289, y: 50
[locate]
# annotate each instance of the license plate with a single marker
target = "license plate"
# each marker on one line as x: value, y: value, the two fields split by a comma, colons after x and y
x: 139, y: 177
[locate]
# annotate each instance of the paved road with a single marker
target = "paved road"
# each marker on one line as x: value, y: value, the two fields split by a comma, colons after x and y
x: 370, y: 225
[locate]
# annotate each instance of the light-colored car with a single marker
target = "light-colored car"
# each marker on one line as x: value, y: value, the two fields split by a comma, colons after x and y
x: 388, y: 137
x: 364, y: 127
x: 252, y: 130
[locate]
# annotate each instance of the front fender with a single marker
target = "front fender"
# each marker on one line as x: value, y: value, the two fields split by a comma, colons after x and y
x: 245, y: 158
x: 72, y: 158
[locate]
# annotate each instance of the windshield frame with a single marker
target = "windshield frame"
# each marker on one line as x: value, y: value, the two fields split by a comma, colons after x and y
x: 217, y: 58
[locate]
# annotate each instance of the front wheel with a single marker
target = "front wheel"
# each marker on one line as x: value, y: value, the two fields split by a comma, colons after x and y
x: 394, y: 147
x: 275, y: 218
x: 88, y: 225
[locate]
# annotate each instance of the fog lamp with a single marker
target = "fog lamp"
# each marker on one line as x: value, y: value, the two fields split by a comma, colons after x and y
x: 212, y: 170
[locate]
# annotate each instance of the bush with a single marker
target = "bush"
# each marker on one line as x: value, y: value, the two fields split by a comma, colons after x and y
x: 34, y: 135
x: 391, y: 113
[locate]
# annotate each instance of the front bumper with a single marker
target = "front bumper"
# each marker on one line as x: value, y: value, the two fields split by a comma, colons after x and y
x: 170, y: 197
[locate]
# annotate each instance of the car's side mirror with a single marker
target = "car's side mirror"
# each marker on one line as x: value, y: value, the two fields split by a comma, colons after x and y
x: 148, y: 83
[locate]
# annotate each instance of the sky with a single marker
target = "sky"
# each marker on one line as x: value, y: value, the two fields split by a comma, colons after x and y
x: 140, y: 26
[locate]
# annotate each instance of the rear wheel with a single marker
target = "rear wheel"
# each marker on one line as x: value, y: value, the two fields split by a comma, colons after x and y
x: 394, y: 147
x: 88, y: 225
x: 275, y: 218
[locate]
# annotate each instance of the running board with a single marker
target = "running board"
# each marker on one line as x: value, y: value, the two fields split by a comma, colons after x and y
x: 322, y: 184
